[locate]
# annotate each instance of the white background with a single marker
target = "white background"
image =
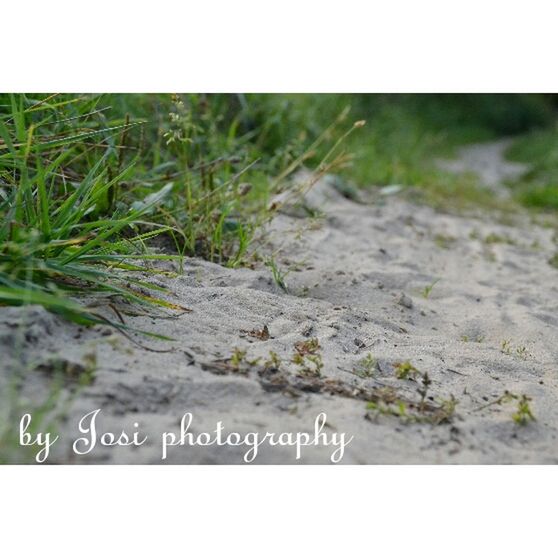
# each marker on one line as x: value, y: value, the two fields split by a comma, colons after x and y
x: 247, y: 46
x: 286, y: 46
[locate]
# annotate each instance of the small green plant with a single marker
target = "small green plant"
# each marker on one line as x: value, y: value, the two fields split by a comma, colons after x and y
x: 428, y: 289
x: 365, y: 367
x: 405, y: 370
x: 447, y: 407
x: 237, y: 358
x: 278, y: 275
x: 307, y: 357
x: 554, y: 260
x: 524, y: 414
x: 308, y: 347
x: 273, y: 362
x: 506, y: 347
x: 308, y: 365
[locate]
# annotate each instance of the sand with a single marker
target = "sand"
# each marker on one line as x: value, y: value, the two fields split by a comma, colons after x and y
x: 487, y: 161
x: 356, y: 279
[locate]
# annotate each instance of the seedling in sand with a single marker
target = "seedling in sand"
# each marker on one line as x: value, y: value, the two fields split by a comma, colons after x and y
x: 506, y: 347
x: 405, y: 370
x: 523, y: 415
x: 278, y: 275
x: 307, y: 358
x: 237, y: 358
x: 428, y: 289
x: 309, y: 347
x: 365, y: 367
x: 509, y: 350
x: 308, y: 365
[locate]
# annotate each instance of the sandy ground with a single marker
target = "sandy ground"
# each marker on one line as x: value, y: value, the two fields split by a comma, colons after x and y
x: 487, y: 161
x: 356, y: 279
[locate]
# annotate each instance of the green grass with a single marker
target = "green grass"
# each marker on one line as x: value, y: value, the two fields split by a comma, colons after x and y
x: 539, y: 187
x: 58, y: 224
x: 405, y: 134
x: 87, y: 183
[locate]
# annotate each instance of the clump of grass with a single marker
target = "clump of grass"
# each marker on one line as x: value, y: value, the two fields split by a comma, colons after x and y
x: 537, y: 188
x: 57, y: 212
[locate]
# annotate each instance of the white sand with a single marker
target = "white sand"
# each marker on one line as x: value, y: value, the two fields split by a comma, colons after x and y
x: 348, y: 272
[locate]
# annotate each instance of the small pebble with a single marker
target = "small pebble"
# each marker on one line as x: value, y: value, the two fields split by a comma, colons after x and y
x: 405, y: 301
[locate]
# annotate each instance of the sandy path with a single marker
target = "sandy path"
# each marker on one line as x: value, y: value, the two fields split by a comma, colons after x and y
x: 348, y: 272
x: 487, y: 161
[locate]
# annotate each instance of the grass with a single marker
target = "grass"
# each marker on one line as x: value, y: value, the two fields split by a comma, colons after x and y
x: 538, y: 189
x: 427, y: 290
x: 278, y: 275
x: 406, y: 133
x: 86, y: 187
x: 58, y: 226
